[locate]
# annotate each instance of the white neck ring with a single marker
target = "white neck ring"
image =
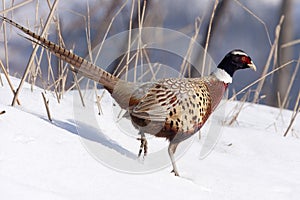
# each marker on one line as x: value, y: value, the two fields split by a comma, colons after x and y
x: 222, y: 75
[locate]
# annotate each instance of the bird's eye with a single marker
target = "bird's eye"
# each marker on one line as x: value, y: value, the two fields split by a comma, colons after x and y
x: 246, y: 59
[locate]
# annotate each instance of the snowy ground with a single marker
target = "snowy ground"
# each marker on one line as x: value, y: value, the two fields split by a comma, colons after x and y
x: 44, y: 160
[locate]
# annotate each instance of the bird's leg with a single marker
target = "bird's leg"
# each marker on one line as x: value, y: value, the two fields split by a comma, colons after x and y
x: 144, y: 144
x: 171, y: 150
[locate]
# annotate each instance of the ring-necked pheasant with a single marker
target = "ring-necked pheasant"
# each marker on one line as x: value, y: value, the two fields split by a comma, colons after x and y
x: 173, y: 108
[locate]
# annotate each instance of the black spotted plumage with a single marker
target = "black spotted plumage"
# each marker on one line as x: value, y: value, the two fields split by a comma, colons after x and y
x: 163, y: 107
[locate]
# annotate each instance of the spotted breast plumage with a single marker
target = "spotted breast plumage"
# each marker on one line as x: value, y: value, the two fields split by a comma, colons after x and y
x: 173, y: 108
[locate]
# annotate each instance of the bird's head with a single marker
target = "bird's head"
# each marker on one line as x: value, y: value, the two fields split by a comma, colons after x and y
x: 235, y: 60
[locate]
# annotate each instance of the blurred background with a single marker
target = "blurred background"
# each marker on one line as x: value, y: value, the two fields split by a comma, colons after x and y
x: 244, y: 24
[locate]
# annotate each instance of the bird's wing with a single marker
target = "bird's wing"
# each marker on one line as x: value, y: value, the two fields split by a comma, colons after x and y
x: 154, y: 105
x: 163, y: 96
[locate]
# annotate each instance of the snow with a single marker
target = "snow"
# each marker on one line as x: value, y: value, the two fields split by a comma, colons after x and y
x: 49, y: 160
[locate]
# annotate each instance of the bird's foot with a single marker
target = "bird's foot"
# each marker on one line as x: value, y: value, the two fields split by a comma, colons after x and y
x: 143, y: 146
x: 175, y: 172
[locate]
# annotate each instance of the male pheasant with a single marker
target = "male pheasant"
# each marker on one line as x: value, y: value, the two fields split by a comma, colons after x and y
x: 173, y: 108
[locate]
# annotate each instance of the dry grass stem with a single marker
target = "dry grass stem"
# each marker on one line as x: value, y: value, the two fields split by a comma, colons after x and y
x: 151, y: 70
x: 35, y: 69
x: 256, y: 17
x: 8, y: 80
x: 284, y: 102
x: 141, y: 22
x: 15, y: 7
x: 46, y: 102
x: 117, y: 68
x: 150, y: 66
x: 279, y: 100
x: 294, y: 115
x: 139, y: 44
x: 261, y: 78
x: 117, y: 71
x: 108, y: 29
x: 126, y: 68
x: 289, y: 44
x: 129, y: 40
x: 74, y: 84
x: 34, y: 52
x: 5, y: 41
x: 238, y: 109
x: 185, y: 63
x: 62, y: 67
x: 98, y: 102
x: 78, y: 88
x: 1, y: 81
x: 88, y: 32
x: 208, y: 35
x: 266, y: 68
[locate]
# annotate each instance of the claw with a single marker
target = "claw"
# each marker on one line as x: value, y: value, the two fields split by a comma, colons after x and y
x: 175, y: 172
x: 143, y: 146
x: 171, y: 150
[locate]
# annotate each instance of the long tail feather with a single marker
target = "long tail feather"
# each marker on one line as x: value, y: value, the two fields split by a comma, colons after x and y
x: 77, y: 63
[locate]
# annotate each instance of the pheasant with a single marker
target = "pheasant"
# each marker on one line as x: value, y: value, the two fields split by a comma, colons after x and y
x: 172, y: 108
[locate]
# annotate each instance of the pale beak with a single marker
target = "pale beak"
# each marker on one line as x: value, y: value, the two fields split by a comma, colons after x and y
x: 252, y: 66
